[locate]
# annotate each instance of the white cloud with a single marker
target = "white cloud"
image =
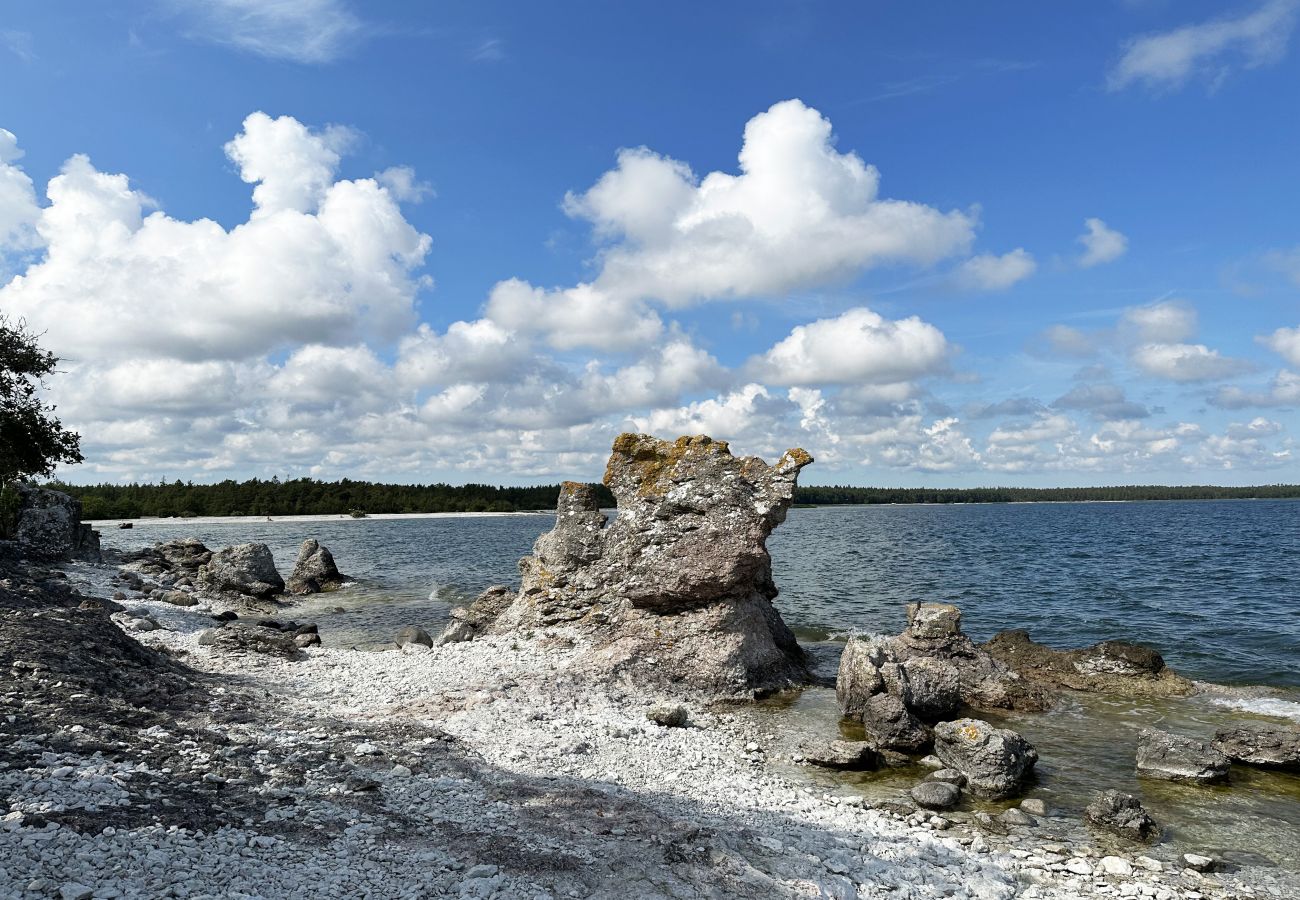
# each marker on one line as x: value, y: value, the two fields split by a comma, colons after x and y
x: 581, y: 316
x: 1063, y: 340
x: 19, y: 210
x: 1283, y: 391
x: 799, y: 214
x: 996, y: 273
x: 1164, y: 322
x: 1100, y: 243
x: 857, y: 346
x: 1209, y: 49
x: 303, y: 31
x: 1285, y: 342
x: 319, y: 261
x: 1185, y: 362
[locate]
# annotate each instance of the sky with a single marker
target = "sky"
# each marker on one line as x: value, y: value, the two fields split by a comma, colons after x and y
x: 944, y: 244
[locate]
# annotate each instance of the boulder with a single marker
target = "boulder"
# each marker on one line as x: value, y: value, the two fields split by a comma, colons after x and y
x: 995, y: 761
x: 844, y: 755
x: 238, y: 637
x: 1112, y: 667
x: 675, y: 595
x: 182, y: 557
x: 936, y: 795
x: 179, y: 598
x: 1173, y: 757
x: 931, y: 669
x: 247, y: 569
x: 413, y: 634
x: 891, y: 726
x: 470, y: 621
x: 1122, y: 814
x: 1261, y: 744
x: 669, y: 715
x: 49, y: 526
x: 314, y: 571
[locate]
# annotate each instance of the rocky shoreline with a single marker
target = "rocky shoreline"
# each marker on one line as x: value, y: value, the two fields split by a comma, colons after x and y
x: 166, y: 729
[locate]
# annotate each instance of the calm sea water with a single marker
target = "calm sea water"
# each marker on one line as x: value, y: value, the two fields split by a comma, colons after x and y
x: 1215, y: 586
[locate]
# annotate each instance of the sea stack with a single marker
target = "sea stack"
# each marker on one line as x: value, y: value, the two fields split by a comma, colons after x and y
x: 676, y: 595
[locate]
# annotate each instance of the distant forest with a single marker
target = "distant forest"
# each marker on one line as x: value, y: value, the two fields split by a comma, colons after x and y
x: 306, y: 496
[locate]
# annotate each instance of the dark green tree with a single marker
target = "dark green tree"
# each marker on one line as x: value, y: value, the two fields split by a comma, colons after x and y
x: 32, y: 440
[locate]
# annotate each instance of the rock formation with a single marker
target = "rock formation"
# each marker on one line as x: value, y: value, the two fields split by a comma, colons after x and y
x: 1173, y: 757
x: 49, y: 526
x: 241, y: 637
x: 181, y: 558
x: 314, y: 571
x: 1113, y: 667
x: 247, y: 569
x: 676, y: 594
x: 995, y: 761
x: 897, y: 685
x: 1261, y: 744
x: 1122, y: 814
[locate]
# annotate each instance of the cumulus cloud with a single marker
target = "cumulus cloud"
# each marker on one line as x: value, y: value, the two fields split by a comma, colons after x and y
x: 19, y: 210
x: 1100, y: 243
x: 996, y: 273
x: 1285, y: 342
x: 857, y: 346
x: 799, y: 213
x: 1104, y: 401
x: 1185, y: 362
x: 302, y: 31
x: 1283, y: 390
x: 1168, y: 60
x: 580, y: 316
x: 319, y: 261
x: 1166, y: 321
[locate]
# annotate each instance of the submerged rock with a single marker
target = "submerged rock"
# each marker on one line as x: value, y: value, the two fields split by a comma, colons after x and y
x: 49, y: 526
x: 995, y: 761
x: 676, y: 594
x: 314, y: 571
x: 936, y: 795
x: 247, y: 569
x: 1122, y: 814
x: 1172, y: 757
x: 1113, y: 667
x: 1261, y: 744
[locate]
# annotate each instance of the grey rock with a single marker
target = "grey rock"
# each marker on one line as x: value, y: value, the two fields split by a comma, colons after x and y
x: 670, y: 715
x: 238, y: 637
x: 995, y: 761
x: 675, y: 595
x: 179, y: 598
x: 247, y: 569
x: 1199, y: 863
x: 1122, y: 814
x: 314, y: 571
x: 1173, y: 757
x: 1261, y: 744
x: 307, y: 640
x: 182, y: 557
x: 1017, y: 817
x: 936, y: 795
x: 952, y: 776
x: 846, y: 755
x: 1035, y: 806
x: 891, y: 726
x: 469, y: 621
x: 413, y: 634
x: 49, y: 526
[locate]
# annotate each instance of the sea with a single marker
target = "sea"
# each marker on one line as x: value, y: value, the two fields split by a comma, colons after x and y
x: 1213, y: 585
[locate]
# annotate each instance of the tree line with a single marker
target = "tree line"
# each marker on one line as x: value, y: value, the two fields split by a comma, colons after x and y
x: 307, y: 496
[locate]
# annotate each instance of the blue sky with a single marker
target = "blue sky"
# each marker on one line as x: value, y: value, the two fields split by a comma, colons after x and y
x: 1021, y: 244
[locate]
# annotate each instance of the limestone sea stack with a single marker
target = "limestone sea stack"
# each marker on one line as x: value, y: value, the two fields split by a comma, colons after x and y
x: 676, y: 594
x: 314, y: 571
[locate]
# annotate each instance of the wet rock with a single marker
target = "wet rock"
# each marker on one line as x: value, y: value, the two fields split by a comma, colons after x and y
x: 1034, y: 806
x: 1122, y: 814
x: 891, y: 725
x: 844, y: 755
x: 226, y: 616
x: 1261, y: 744
x: 311, y: 639
x: 314, y: 571
x: 247, y: 569
x: 936, y: 795
x: 413, y: 634
x: 1017, y: 817
x: 670, y: 715
x: 676, y: 594
x: 931, y: 669
x: 1173, y: 757
x: 49, y: 526
x: 1113, y: 667
x: 952, y: 776
x: 995, y: 761
x: 238, y: 637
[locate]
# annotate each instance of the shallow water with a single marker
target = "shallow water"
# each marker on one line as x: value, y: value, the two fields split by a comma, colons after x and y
x: 1215, y: 586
